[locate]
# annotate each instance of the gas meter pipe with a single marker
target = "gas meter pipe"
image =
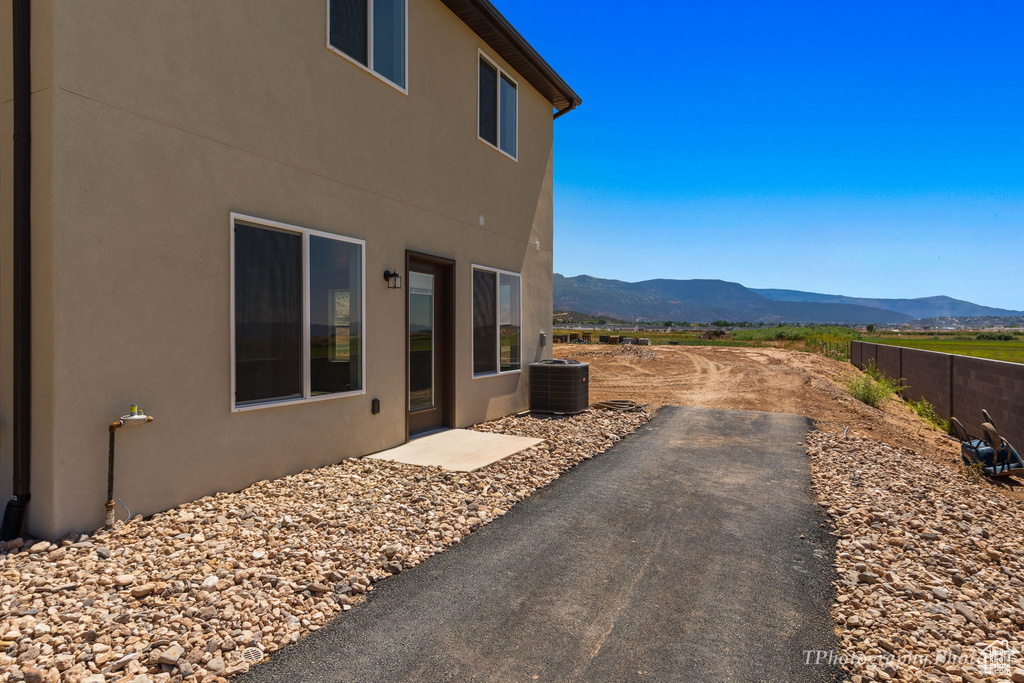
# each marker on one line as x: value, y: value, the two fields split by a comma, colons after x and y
x: 108, y: 517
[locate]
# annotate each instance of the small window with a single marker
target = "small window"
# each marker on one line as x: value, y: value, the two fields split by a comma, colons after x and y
x: 298, y: 303
x: 498, y: 118
x: 371, y: 33
x: 497, y: 321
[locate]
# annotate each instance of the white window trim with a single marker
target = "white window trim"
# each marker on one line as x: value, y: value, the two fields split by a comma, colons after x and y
x: 306, y: 233
x: 483, y: 55
x: 497, y: 314
x: 368, y: 68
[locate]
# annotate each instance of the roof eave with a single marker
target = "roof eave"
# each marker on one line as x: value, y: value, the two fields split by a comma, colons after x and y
x: 495, y: 30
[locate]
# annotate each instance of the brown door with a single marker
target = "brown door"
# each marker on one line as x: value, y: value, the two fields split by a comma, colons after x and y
x: 429, y: 326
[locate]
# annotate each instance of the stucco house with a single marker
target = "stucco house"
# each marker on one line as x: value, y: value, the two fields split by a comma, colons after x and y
x: 291, y: 232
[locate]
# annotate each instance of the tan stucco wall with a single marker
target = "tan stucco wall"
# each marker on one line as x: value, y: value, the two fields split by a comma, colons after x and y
x: 169, y: 116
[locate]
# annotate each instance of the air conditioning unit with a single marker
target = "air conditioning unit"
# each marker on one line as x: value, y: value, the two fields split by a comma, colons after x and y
x: 559, y: 386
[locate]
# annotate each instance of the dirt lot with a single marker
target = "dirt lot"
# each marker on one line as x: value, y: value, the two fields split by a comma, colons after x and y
x: 773, y: 380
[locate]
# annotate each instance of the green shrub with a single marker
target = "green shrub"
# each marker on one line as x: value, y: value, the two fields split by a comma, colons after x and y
x: 927, y: 412
x: 873, y: 387
x: 831, y: 345
x: 781, y: 333
x: 866, y: 390
x: 994, y: 336
x: 973, y: 472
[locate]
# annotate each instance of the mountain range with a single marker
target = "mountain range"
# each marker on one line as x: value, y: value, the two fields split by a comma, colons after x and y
x: 707, y: 300
x: 924, y: 307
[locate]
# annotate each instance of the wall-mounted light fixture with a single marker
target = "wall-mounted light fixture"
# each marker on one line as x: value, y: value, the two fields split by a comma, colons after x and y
x: 393, y: 278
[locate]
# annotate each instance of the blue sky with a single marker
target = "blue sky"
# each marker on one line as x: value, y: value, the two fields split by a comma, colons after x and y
x: 867, y: 148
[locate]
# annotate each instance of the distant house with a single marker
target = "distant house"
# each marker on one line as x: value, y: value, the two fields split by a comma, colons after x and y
x: 292, y: 232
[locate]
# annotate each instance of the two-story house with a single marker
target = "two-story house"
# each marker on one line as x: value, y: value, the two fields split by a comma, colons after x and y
x: 292, y: 232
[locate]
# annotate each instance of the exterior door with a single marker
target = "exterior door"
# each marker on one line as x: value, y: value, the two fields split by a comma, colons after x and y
x: 430, y: 343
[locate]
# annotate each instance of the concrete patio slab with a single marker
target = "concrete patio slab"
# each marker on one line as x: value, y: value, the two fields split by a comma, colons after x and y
x: 457, y: 450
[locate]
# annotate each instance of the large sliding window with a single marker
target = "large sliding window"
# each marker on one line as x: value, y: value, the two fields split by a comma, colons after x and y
x: 372, y: 33
x: 497, y: 321
x: 297, y: 296
x: 498, y: 108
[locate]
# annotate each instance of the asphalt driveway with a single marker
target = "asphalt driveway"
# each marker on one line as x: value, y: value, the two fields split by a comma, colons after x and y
x: 692, y: 551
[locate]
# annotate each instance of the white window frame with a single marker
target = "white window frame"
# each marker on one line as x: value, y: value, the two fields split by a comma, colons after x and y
x: 305, y: 233
x: 497, y: 317
x: 483, y: 55
x: 368, y: 67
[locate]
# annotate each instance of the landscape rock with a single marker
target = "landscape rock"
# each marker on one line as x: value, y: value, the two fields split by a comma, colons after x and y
x: 144, y: 601
x: 236, y: 668
x: 933, y: 539
x: 142, y: 591
x: 171, y: 655
x: 123, y: 661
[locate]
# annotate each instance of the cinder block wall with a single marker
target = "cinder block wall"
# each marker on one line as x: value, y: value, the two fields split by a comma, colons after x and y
x: 994, y: 385
x: 958, y: 386
x: 889, y: 361
x: 931, y: 373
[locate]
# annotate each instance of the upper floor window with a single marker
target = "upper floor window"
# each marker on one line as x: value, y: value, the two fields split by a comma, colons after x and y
x: 498, y: 108
x: 371, y: 33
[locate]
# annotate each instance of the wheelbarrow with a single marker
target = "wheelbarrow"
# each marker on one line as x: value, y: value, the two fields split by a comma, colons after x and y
x: 994, y: 453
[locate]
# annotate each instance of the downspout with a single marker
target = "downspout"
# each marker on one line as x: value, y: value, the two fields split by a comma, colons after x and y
x: 14, y: 514
x: 572, y: 105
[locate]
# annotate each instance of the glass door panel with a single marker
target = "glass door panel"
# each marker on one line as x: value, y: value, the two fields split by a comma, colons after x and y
x: 421, y: 340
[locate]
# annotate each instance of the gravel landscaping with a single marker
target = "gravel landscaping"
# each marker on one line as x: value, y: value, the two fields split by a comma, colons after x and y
x: 199, y: 592
x: 930, y: 563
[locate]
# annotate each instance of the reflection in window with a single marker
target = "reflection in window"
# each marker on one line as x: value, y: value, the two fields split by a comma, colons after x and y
x: 508, y: 115
x: 381, y: 50
x: 389, y: 40
x: 498, y: 108
x: 335, y: 316
x: 497, y: 321
x: 421, y: 340
x: 268, y: 315
x: 485, y: 347
x: 510, y: 312
x: 276, y: 296
x: 348, y: 22
x: 488, y: 102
